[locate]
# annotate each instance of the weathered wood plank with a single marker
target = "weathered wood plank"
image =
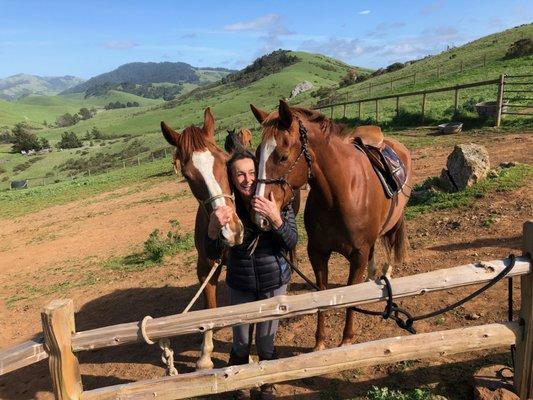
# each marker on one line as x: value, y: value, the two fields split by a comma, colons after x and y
x: 435, y: 344
x: 58, y: 327
x: 21, y: 355
x: 290, y: 306
x: 524, y: 345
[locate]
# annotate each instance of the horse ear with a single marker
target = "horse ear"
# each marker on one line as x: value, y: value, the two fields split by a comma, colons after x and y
x: 170, y: 134
x: 209, y: 122
x: 285, y: 115
x: 260, y: 115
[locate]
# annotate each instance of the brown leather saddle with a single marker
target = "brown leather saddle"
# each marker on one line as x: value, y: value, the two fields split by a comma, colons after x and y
x: 388, y: 166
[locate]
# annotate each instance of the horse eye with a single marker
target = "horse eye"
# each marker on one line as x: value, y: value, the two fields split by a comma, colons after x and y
x: 284, y: 158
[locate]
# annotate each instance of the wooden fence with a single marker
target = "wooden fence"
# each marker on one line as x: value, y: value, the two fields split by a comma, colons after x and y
x: 419, y: 76
x: 500, y: 106
x: 61, y: 340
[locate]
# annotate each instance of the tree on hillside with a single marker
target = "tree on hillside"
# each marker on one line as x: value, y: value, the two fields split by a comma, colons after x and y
x: 85, y: 113
x: 520, y: 48
x: 349, y: 79
x: 69, y: 140
x: 67, y: 120
x: 24, y: 140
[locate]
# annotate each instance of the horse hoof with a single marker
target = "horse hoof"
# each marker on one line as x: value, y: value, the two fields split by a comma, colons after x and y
x: 204, y: 364
x: 319, y: 347
x: 346, y: 343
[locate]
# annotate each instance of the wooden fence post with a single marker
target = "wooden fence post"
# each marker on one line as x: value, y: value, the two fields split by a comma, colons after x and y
x: 423, y: 106
x: 397, y: 106
x: 456, y: 100
x: 391, y: 84
x: 499, y: 106
x: 377, y: 111
x: 523, y: 377
x: 58, y: 326
x: 360, y: 106
x: 414, y: 78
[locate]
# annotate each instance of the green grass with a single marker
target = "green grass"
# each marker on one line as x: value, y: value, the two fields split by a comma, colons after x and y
x: 427, y: 198
x: 384, y: 393
x: 19, y: 202
x: 155, y: 249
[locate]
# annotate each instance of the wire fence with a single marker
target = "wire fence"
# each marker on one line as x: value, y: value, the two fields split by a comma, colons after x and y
x: 72, y: 175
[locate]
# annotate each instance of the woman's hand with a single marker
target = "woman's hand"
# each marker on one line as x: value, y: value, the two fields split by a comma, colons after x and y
x: 219, y: 217
x: 268, y: 208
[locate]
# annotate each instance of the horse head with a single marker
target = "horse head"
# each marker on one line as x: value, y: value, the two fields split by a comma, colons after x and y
x: 284, y: 159
x: 203, y: 165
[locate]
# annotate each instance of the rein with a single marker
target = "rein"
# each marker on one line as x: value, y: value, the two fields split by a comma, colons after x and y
x: 282, y: 180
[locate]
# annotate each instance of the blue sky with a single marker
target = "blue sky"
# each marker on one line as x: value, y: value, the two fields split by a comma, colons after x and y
x: 87, y: 38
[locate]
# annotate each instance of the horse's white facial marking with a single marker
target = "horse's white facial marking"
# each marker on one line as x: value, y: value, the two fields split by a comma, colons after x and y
x: 204, y: 161
x: 266, y: 150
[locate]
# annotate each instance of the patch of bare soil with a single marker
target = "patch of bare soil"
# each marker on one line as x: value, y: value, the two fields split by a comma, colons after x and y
x: 60, y: 252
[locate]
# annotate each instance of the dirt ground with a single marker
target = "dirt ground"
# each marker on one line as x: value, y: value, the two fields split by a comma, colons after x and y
x: 62, y: 252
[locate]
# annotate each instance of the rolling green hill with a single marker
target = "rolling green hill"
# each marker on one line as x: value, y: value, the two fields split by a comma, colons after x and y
x: 479, y: 60
x: 20, y: 85
x: 230, y: 104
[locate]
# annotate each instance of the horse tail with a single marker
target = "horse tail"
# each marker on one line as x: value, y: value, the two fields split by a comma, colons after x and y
x: 395, y: 241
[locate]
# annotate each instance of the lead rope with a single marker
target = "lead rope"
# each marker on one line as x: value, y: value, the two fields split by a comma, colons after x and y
x: 167, y: 357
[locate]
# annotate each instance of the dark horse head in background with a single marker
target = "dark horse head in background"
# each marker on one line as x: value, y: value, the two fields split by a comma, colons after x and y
x: 238, y: 140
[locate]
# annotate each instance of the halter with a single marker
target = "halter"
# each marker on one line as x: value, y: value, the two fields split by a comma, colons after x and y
x: 282, y: 180
x: 210, y: 200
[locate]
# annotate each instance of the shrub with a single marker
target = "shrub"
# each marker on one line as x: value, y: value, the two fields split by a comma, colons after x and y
x: 349, y: 79
x: 520, y: 48
x: 69, y: 140
x: 24, y: 140
x: 157, y: 247
x: 384, y: 393
x: 67, y: 120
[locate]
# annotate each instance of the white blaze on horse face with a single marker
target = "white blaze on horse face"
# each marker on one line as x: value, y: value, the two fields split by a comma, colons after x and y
x: 204, y: 162
x: 266, y: 150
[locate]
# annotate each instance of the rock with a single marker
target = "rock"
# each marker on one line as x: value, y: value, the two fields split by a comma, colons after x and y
x: 300, y: 88
x: 473, y: 317
x: 482, y: 393
x: 508, y: 164
x: 466, y: 165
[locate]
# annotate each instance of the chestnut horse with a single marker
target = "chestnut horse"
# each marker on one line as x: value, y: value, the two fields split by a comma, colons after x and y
x: 203, y: 164
x: 346, y: 210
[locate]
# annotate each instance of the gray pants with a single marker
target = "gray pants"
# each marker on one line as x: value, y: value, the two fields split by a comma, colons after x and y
x: 265, y: 332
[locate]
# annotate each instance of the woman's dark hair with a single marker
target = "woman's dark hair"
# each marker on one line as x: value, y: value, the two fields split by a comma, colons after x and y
x: 240, y: 155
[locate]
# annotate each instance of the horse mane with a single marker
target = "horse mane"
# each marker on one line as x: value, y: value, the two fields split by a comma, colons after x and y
x: 193, y: 139
x: 327, y: 126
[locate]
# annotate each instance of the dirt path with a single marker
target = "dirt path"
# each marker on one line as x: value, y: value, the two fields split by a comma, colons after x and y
x: 61, y: 252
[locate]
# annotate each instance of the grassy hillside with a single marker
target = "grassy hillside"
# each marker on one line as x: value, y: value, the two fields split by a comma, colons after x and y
x: 230, y: 105
x: 481, y: 59
x: 20, y: 85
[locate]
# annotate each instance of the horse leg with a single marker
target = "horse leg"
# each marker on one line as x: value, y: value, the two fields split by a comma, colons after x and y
x: 371, y: 270
x: 358, y: 264
x: 396, y: 243
x: 210, y: 296
x: 319, y: 261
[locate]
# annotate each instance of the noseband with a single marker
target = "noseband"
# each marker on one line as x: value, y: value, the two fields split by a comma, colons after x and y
x: 282, y: 180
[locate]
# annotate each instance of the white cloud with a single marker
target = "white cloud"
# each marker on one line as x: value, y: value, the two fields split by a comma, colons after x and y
x: 120, y: 44
x: 264, y: 22
x: 364, y: 12
x: 335, y: 47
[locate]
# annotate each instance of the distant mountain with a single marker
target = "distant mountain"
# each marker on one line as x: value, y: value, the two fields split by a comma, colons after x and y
x: 151, y: 72
x: 21, y: 85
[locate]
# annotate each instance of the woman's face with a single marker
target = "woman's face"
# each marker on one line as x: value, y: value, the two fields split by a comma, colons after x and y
x: 243, y: 176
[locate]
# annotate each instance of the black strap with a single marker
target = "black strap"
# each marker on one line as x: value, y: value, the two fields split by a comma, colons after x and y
x: 394, y: 312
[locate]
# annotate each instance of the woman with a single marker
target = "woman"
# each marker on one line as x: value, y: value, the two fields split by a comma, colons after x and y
x: 257, y: 268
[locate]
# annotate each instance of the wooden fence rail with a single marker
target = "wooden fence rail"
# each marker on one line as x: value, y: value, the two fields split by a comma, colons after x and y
x: 275, y: 308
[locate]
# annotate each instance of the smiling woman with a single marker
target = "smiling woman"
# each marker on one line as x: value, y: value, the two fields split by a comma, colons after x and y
x: 257, y: 268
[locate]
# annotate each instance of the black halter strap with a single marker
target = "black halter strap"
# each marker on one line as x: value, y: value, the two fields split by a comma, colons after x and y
x: 304, y: 150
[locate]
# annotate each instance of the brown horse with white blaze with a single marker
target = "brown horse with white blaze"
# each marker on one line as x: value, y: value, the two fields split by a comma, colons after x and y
x: 203, y: 164
x: 347, y: 210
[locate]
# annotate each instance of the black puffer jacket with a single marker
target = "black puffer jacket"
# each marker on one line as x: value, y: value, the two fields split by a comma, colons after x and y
x: 265, y: 269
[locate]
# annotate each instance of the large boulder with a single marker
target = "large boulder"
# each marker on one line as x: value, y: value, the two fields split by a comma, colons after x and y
x: 300, y: 88
x: 466, y: 165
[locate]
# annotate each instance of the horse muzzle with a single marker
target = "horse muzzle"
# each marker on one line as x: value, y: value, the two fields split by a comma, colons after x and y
x: 232, y: 235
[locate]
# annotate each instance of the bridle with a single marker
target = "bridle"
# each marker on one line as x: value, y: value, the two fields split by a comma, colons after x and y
x: 282, y: 180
